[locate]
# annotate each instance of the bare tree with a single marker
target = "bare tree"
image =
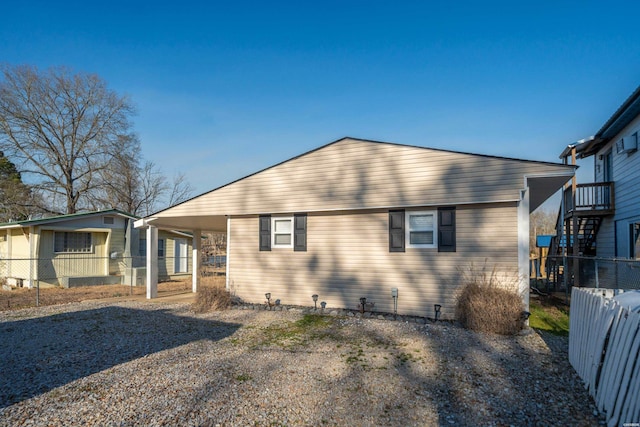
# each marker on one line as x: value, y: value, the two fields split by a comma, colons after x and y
x: 139, y: 189
x: 179, y: 190
x: 121, y: 179
x: 63, y: 129
x: 541, y: 222
x: 153, y: 187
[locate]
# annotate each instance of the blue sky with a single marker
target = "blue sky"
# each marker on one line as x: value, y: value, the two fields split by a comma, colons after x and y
x: 227, y: 88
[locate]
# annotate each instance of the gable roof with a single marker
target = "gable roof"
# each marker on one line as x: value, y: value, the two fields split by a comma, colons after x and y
x: 625, y: 114
x: 67, y: 217
x: 354, y: 174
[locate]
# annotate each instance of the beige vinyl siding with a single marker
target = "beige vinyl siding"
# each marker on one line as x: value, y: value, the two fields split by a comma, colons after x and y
x: 166, y: 264
x: 17, y: 246
x: 354, y: 174
x: 52, y: 266
x: 348, y: 257
x: 19, y: 243
x: 118, y: 264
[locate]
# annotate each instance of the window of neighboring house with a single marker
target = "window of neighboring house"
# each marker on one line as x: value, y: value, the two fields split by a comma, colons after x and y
x: 282, y: 232
x: 72, y: 242
x: 143, y: 248
x: 420, y: 229
x: 108, y: 220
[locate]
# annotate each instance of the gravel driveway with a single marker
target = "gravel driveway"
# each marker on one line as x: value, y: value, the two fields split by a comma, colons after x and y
x: 140, y: 363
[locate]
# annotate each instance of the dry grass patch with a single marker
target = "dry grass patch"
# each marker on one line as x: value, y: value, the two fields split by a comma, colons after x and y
x: 489, y: 302
x: 212, y: 295
x: 24, y: 297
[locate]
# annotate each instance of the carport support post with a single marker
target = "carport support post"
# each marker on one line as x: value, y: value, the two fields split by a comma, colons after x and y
x: 152, y: 262
x: 197, y: 247
x: 523, y: 246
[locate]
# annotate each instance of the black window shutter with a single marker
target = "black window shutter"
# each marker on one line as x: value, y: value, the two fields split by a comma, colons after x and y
x: 396, y: 231
x: 265, y: 232
x: 300, y: 232
x: 447, y: 229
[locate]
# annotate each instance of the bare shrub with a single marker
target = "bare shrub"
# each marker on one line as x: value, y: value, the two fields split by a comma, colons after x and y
x: 490, y: 302
x: 211, y: 298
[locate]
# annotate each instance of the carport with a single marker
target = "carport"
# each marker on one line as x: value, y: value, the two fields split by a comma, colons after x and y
x: 193, y: 224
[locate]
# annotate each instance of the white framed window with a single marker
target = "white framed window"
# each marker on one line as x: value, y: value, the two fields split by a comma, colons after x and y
x: 282, y: 232
x: 420, y: 229
x: 72, y: 242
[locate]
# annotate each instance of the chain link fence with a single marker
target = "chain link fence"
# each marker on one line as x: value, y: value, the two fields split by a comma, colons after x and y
x: 591, y: 272
x: 82, y: 270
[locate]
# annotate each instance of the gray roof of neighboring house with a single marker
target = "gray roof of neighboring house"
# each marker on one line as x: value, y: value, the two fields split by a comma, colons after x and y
x: 58, y: 218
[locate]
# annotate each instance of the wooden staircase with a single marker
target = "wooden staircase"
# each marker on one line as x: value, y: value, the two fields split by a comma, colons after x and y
x: 584, y: 210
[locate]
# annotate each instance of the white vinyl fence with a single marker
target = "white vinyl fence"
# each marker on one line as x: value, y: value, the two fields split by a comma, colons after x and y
x: 604, y: 347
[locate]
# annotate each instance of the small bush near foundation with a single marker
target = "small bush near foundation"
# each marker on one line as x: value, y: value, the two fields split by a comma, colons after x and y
x: 212, y: 298
x: 489, y: 302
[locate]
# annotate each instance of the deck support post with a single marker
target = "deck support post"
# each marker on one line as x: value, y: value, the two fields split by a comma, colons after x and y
x: 523, y: 247
x: 575, y: 245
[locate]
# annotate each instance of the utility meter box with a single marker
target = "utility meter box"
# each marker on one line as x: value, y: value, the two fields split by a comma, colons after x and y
x: 394, y: 292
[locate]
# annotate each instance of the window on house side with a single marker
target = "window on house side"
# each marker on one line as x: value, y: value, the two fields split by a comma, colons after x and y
x: 421, y: 229
x: 72, y: 242
x: 143, y: 248
x: 282, y: 232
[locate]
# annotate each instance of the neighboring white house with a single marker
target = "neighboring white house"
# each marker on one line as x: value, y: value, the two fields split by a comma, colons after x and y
x: 86, y: 248
x: 357, y: 218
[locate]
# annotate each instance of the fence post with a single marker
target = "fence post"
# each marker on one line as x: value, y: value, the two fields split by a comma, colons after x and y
x: 37, y: 293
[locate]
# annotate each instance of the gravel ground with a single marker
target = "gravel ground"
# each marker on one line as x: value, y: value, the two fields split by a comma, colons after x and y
x: 140, y: 363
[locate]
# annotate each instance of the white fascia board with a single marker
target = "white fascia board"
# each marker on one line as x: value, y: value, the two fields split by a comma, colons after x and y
x: 9, y: 226
x: 143, y: 222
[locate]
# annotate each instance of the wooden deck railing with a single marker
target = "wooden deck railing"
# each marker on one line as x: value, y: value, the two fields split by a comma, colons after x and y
x: 596, y: 197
